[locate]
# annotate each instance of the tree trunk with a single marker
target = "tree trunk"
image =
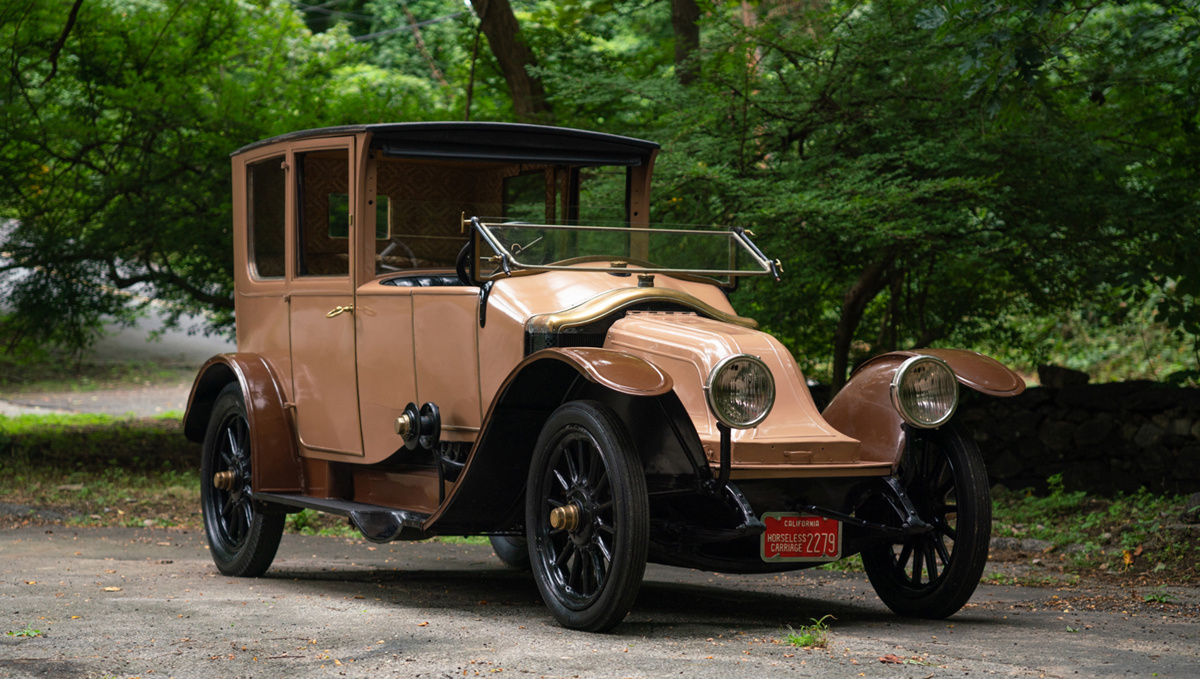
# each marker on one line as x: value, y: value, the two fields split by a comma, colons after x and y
x: 685, y: 15
x: 870, y: 283
x: 499, y: 24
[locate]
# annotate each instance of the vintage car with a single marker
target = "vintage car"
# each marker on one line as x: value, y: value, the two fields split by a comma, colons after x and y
x: 473, y: 329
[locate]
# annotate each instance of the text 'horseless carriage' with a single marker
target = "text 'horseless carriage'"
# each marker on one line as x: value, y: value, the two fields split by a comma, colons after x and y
x: 471, y: 328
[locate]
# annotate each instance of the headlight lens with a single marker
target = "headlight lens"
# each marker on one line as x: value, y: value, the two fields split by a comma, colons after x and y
x: 925, y: 391
x: 740, y: 391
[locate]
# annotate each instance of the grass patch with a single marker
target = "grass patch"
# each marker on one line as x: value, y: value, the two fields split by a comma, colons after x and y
x: 1125, y: 533
x: 815, y: 635
x: 850, y: 564
x: 115, y: 496
x: 311, y: 522
x: 21, y: 376
x: 28, y: 631
x: 95, y: 442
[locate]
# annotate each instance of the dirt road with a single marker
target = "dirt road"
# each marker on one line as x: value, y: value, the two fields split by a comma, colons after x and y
x: 148, y: 603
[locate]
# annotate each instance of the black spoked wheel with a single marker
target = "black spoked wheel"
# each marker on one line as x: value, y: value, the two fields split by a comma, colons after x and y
x: 587, y: 517
x: 241, y: 538
x: 512, y: 550
x: 931, y: 575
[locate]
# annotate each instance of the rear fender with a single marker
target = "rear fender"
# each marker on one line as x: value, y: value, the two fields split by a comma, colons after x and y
x: 491, y: 486
x: 274, y: 460
x: 863, y: 408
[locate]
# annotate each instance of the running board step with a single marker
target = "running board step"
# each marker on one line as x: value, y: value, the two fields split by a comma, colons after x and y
x: 375, y: 522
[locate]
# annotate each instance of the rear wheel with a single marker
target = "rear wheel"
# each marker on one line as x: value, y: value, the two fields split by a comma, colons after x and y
x: 241, y: 538
x: 587, y: 517
x: 512, y: 550
x: 932, y: 575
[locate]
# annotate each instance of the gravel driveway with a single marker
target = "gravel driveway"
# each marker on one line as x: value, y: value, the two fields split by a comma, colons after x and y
x: 127, y: 602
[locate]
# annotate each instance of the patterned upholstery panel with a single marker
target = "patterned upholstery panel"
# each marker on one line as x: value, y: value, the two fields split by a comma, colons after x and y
x: 323, y: 174
x: 427, y: 204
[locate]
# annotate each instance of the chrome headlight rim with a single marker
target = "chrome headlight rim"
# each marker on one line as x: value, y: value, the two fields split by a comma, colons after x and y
x: 902, y: 407
x: 716, y: 372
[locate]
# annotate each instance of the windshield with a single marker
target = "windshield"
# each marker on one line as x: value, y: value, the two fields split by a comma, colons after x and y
x: 509, y: 247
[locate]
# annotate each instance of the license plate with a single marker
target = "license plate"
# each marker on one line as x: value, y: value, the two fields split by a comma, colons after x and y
x: 800, y: 537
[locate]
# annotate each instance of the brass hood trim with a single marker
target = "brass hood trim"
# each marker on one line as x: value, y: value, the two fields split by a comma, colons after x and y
x: 622, y: 298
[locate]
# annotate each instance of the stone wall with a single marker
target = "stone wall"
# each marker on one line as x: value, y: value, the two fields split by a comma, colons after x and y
x: 1102, y: 438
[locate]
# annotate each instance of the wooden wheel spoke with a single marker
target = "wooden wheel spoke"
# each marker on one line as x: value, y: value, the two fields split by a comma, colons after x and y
x: 944, y: 553
x: 231, y: 439
x: 604, y: 549
x: 597, y: 570
x: 943, y: 489
x: 903, y: 558
x: 576, y: 566
x: 601, y: 485
x: 569, y: 454
x: 561, y: 481
x: 595, y: 468
x: 930, y: 562
x: 918, y: 559
x: 564, y: 555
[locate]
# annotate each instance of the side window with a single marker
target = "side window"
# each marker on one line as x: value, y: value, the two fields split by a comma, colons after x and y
x: 525, y: 198
x: 603, y: 195
x: 339, y: 216
x: 323, y: 213
x: 266, y: 182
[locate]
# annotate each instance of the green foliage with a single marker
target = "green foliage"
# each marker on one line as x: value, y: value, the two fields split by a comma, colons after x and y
x: 1118, y: 533
x: 966, y: 173
x: 815, y: 635
x: 27, y: 631
x: 900, y: 203
x: 1161, y: 596
x: 1114, y: 336
x: 115, y: 159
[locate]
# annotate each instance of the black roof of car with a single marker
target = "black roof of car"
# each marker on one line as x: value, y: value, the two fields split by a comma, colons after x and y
x: 501, y: 142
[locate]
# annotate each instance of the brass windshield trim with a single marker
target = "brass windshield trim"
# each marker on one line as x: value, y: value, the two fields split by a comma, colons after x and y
x: 622, y: 298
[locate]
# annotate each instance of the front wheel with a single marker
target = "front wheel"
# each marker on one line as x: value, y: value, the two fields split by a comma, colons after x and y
x: 932, y: 575
x: 587, y: 517
x: 241, y: 538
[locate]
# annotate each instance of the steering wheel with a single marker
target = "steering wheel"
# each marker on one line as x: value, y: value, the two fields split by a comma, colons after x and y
x: 395, y: 245
x: 462, y: 265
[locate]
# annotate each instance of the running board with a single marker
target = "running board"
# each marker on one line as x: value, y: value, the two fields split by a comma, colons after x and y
x: 375, y: 522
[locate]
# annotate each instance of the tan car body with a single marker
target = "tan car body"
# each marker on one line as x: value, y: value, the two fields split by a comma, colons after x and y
x: 588, y: 397
x: 323, y: 389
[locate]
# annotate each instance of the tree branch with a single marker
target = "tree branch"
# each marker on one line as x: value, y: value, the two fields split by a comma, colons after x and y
x: 62, y: 40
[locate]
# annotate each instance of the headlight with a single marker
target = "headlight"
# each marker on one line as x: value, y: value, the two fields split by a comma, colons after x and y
x: 925, y: 392
x: 740, y: 391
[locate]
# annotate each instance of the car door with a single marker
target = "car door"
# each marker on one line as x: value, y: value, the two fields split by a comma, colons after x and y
x: 321, y: 299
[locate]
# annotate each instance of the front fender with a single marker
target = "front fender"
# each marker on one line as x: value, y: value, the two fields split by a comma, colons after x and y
x: 274, y: 461
x: 863, y: 408
x: 492, y: 482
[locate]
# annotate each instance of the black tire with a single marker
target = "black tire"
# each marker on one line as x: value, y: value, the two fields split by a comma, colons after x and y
x: 241, y: 537
x: 512, y: 550
x: 933, y: 575
x: 588, y: 575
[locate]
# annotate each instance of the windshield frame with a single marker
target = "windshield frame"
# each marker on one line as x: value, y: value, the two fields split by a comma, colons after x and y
x: 507, y: 264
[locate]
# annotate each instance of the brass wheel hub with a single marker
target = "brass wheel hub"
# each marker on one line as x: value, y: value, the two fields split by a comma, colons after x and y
x: 223, y: 480
x: 566, y: 517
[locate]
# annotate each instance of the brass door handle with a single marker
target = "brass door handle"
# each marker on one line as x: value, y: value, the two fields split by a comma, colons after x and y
x: 339, y: 310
